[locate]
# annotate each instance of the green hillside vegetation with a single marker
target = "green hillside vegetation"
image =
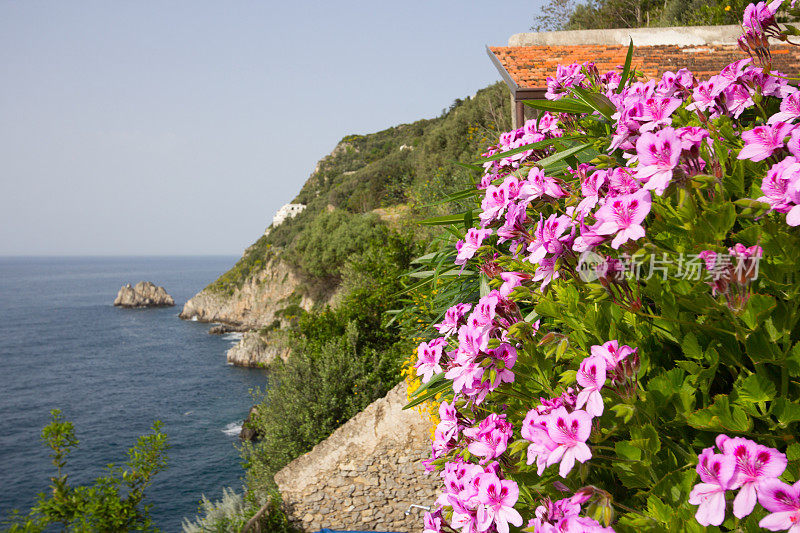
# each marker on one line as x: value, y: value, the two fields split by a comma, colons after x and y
x: 408, y: 165
x: 346, y: 356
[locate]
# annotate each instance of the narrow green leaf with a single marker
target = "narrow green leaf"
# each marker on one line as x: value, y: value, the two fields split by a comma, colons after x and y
x: 596, y: 101
x: 444, y: 220
x: 433, y: 391
x: 626, y: 70
x: 565, y: 105
x: 435, y: 380
x: 555, y: 158
x: 533, y: 146
x: 468, y: 166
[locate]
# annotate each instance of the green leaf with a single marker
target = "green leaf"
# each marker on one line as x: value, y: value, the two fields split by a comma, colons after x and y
x: 758, y: 308
x: 659, y: 510
x: 759, y: 348
x: 787, y: 412
x: 721, y: 416
x: 624, y: 411
x: 559, y: 156
x: 793, y: 360
x: 532, y: 146
x: 691, y: 348
x: 626, y: 69
x: 722, y: 220
x: 788, y: 29
x: 435, y: 380
x: 565, y: 105
x: 447, y: 219
x: 596, y: 101
x: 468, y: 166
x: 793, y: 451
x: 427, y: 395
x: 626, y: 450
x: 756, y: 388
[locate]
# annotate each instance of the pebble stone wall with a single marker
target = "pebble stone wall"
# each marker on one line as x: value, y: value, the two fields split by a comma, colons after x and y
x: 366, y: 475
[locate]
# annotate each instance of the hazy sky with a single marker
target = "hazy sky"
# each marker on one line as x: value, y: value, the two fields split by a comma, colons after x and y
x: 132, y: 127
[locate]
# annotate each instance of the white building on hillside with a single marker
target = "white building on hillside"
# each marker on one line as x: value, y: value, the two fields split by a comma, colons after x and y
x: 287, y: 211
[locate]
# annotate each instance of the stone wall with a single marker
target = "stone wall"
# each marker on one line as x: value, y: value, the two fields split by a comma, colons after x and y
x: 366, y: 475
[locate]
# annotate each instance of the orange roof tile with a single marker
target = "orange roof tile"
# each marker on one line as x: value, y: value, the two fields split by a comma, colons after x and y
x: 530, y: 66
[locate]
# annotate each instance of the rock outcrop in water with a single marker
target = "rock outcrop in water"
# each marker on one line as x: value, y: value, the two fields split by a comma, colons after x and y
x: 143, y: 294
x: 248, y: 432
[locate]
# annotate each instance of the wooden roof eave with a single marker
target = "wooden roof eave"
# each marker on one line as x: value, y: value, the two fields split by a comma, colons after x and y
x: 519, y: 93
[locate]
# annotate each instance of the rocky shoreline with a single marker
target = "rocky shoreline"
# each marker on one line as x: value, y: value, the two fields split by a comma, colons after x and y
x: 255, y: 350
x: 252, y: 306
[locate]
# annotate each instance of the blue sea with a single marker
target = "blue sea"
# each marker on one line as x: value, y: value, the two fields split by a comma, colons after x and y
x: 113, y: 372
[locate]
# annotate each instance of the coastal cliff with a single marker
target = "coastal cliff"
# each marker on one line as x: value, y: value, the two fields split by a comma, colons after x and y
x: 255, y: 304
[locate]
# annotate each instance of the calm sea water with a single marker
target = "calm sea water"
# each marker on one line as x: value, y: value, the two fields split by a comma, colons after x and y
x: 113, y: 372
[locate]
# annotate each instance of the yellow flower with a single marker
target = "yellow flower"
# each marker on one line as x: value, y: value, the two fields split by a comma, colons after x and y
x: 727, y: 8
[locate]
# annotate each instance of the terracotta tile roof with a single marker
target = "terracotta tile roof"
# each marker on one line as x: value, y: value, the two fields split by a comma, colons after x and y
x: 529, y: 66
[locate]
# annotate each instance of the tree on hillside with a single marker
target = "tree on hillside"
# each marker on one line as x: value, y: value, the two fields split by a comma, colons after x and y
x: 606, y: 14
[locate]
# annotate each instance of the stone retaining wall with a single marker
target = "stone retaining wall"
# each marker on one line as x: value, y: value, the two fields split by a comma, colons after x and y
x: 366, y: 475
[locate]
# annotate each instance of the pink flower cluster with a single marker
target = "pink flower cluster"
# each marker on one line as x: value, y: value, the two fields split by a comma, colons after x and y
x: 481, y: 499
x: 563, y: 516
x: 544, y: 221
x: 753, y: 470
x: 474, y: 368
x: 558, y: 428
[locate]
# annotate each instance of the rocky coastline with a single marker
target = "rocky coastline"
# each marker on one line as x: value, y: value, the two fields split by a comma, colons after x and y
x: 252, y: 306
x: 255, y: 350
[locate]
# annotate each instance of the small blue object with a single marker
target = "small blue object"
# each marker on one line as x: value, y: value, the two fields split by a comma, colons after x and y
x: 326, y: 530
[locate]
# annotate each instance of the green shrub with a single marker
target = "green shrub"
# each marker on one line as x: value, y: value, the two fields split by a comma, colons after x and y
x: 112, y: 503
x: 343, y: 358
x: 322, y: 247
x: 235, y: 510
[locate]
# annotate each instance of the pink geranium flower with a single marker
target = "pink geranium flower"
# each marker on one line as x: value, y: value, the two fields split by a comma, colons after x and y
x: 790, y: 109
x: 775, y: 184
x: 659, y: 153
x: 428, y: 356
x: 621, y: 182
x: 591, y: 376
x: 534, y: 430
x: 494, y: 204
x: 490, y: 437
x: 755, y: 464
x: 547, y: 237
x: 472, y: 241
x: 716, y: 473
x: 546, y: 272
x: 783, y: 501
x: 452, y: 318
x: 569, y: 431
x: 737, y: 99
x: 538, y: 185
x: 512, y: 280
x: 590, y: 189
x: 704, y: 96
x: 496, y: 499
x: 623, y: 216
x: 762, y: 141
x: 657, y: 112
x: 433, y: 522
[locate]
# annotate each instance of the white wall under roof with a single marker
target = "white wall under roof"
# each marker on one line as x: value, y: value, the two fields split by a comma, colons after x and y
x: 677, y: 36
